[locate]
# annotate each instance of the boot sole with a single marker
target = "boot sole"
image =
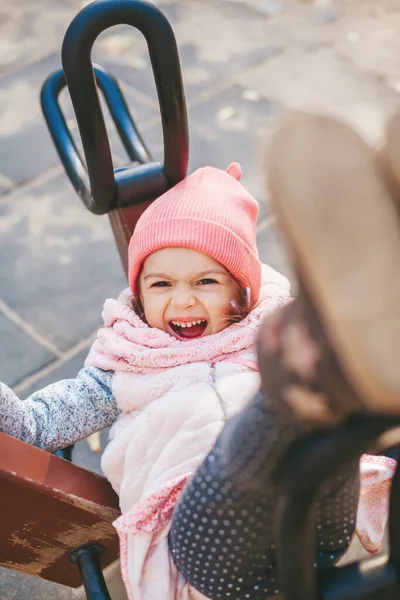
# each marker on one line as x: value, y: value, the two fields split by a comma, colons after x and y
x: 344, y: 230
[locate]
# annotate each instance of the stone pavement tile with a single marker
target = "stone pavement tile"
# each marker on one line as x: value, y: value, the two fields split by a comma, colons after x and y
x: 26, y: 149
x: 370, y: 40
x: 20, y: 354
x: 315, y: 79
x: 5, y: 184
x: 214, y: 43
x: 62, y: 370
x: 31, y: 29
x: 59, y: 261
x: 231, y: 125
x: 16, y: 586
x: 81, y: 455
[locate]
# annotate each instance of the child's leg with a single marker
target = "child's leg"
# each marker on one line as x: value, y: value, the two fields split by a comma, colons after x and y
x: 339, y: 212
x: 333, y: 351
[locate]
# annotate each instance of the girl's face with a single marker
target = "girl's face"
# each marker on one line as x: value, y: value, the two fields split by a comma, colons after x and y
x: 186, y: 293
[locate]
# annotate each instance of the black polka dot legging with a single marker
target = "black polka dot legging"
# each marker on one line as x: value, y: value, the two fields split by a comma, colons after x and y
x: 223, y: 527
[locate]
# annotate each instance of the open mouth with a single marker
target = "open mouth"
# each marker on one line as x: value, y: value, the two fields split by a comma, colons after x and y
x: 190, y: 330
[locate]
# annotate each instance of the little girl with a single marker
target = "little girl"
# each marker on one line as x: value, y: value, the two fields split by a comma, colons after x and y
x: 173, y: 364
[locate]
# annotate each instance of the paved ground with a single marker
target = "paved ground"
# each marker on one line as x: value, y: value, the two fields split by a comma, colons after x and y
x: 244, y: 64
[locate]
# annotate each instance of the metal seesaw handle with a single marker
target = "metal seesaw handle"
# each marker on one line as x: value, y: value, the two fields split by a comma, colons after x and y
x: 87, y: 559
x: 63, y: 140
x: 101, y: 188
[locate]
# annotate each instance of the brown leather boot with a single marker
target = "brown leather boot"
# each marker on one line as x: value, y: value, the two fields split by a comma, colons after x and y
x: 300, y: 373
x: 336, y: 348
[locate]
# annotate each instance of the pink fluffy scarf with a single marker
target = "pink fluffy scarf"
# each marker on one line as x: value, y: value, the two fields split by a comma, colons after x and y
x: 126, y: 343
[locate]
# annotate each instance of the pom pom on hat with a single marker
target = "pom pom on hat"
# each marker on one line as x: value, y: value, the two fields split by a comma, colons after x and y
x: 235, y: 170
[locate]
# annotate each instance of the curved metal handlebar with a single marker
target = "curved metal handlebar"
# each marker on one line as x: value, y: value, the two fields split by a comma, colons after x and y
x: 100, y: 187
x: 62, y: 137
x: 63, y: 140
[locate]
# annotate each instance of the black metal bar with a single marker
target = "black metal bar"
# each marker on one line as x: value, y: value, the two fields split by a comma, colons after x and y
x: 65, y: 453
x: 373, y: 579
x: 132, y: 140
x: 76, y: 58
x: 145, y: 182
x: 130, y: 136
x: 62, y: 137
x: 306, y: 466
x: 87, y: 559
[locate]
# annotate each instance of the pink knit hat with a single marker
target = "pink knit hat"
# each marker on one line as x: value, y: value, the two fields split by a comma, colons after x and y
x: 209, y: 211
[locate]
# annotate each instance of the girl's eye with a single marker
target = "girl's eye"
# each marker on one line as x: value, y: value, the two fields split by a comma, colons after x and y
x: 207, y: 281
x: 160, y: 284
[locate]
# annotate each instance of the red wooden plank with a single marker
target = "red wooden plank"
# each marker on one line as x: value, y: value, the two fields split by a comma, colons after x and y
x: 49, y: 507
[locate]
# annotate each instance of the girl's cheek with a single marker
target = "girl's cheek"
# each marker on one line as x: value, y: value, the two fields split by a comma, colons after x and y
x: 157, y: 306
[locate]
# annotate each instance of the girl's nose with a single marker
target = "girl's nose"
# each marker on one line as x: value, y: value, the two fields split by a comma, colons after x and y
x: 183, y: 298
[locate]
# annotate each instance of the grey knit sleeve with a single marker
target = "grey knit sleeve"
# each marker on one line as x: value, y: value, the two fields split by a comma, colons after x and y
x: 62, y: 413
